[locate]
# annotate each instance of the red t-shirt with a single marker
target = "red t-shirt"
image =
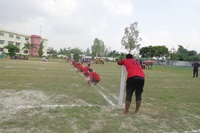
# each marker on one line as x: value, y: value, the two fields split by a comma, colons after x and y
x: 85, y: 70
x: 80, y: 67
x: 95, y: 75
x: 133, y: 67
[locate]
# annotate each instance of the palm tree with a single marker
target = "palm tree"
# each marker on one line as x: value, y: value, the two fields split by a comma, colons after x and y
x: 29, y: 47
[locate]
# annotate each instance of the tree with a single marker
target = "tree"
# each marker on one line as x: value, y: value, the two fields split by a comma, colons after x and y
x: 29, y: 47
x: 154, y: 51
x: 114, y: 54
x: 131, y: 37
x: 160, y: 51
x: 51, y: 51
x: 76, y: 52
x: 40, y: 52
x: 87, y: 53
x: 183, y: 54
x: 146, y: 52
x: 11, y: 49
x: 97, y: 47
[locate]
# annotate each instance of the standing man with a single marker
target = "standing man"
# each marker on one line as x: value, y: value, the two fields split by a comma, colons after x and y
x: 134, y: 83
x: 195, y: 69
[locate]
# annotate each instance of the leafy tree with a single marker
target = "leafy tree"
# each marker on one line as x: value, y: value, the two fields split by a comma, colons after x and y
x: 97, y: 47
x: 87, y: 53
x: 63, y: 51
x: 185, y: 55
x: 76, y: 57
x: 76, y: 51
x: 146, y: 52
x: 29, y: 47
x: 121, y: 56
x: 40, y: 52
x: 114, y: 54
x: 52, y: 51
x: 160, y: 51
x: 131, y: 37
x: 154, y: 51
x: 173, y: 56
x: 11, y: 49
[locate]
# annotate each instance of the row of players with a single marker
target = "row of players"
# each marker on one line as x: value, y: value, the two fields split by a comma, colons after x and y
x: 92, y: 77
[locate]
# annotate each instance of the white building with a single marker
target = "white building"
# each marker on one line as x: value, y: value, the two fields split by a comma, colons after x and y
x: 18, y: 39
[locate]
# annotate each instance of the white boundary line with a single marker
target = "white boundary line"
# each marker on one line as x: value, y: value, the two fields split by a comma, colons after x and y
x: 104, y: 96
x: 109, y: 101
x: 115, y: 97
x: 49, y: 106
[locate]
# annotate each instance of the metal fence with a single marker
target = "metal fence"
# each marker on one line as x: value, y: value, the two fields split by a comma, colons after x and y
x: 175, y: 63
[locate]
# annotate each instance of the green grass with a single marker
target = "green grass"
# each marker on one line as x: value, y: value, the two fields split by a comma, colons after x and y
x: 170, y: 99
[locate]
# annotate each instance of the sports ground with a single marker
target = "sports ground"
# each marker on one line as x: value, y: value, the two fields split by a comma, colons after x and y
x: 50, y: 97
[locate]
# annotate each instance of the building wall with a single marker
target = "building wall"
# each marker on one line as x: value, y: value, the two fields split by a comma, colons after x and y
x: 35, y: 39
x: 19, y: 40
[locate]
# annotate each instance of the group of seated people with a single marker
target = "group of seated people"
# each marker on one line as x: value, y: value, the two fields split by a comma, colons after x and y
x: 92, y: 77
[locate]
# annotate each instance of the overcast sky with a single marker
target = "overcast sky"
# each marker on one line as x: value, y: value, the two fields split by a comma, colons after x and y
x: 76, y: 23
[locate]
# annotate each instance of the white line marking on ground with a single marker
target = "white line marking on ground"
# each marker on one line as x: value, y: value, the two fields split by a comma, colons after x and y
x: 104, y: 96
x: 109, y: 101
x: 116, y: 98
x: 48, y: 106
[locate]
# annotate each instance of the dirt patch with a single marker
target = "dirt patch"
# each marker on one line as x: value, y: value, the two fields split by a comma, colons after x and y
x: 12, y: 102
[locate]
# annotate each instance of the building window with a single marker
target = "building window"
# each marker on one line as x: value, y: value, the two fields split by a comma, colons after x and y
x: 17, y: 37
x: 1, y: 41
x: 26, y: 38
x: 17, y: 51
x: 10, y: 42
x: 1, y: 34
x: 25, y: 51
x: 11, y: 35
x: 17, y: 44
x: 1, y: 49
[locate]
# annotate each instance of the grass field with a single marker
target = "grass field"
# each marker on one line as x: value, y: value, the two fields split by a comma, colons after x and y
x: 50, y: 97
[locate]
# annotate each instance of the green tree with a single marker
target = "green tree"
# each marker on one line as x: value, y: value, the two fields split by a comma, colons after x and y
x: 63, y: 51
x: 52, y: 51
x: 97, y: 47
x: 114, y: 54
x: 87, y: 53
x: 154, y: 51
x: 131, y: 37
x: 29, y: 47
x: 160, y: 51
x: 11, y: 49
x: 146, y: 52
x: 185, y: 55
x: 40, y: 52
x: 76, y: 52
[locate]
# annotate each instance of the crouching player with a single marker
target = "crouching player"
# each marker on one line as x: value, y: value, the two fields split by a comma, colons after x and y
x: 93, y: 78
x: 85, y: 70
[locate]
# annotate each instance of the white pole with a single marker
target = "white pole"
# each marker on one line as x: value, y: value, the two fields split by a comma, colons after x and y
x: 122, y: 85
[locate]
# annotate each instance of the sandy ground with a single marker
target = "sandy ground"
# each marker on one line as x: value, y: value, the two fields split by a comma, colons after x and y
x: 11, y: 102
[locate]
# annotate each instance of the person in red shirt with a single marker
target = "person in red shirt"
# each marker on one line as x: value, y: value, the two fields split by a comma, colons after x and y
x: 80, y: 67
x: 134, y: 83
x: 93, y: 77
x: 85, y: 70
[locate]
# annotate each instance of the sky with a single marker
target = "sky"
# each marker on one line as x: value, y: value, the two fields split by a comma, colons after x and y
x: 76, y: 23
